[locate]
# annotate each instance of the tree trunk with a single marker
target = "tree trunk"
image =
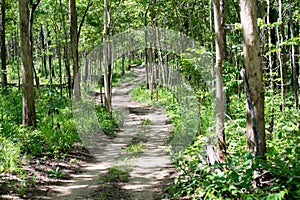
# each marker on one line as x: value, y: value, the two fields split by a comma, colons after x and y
x: 220, y: 104
x: 3, y: 45
x: 66, y: 53
x: 58, y: 49
x: 106, y: 58
x: 123, y: 64
x: 293, y: 60
x: 271, y: 61
x: 33, y: 7
x: 74, y: 44
x: 281, y: 56
x: 49, y: 51
x: 28, y: 106
x: 253, y: 66
x: 100, y: 81
x: 43, y: 50
x: 211, y: 10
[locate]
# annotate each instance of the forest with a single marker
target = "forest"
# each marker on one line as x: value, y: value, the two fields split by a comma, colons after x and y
x: 224, y: 74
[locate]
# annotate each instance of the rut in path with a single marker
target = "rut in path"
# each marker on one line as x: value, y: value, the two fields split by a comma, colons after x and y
x: 148, y: 169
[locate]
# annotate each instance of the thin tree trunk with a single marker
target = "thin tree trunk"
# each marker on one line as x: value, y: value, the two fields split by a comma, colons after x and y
x: 58, y: 49
x: 270, y: 67
x: 106, y: 58
x: 16, y: 42
x: 281, y: 56
x: 297, y: 64
x: 100, y: 81
x: 33, y: 7
x: 220, y: 103
x: 3, y: 45
x: 66, y: 56
x: 43, y: 50
x: 123, y: 64
x: 211, y: 21
x: 293, y: 60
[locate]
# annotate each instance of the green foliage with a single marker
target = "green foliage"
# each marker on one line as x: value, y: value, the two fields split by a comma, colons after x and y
x: 243, y: 177
x: 118, y: 78
x: 108, y: 123
x: 9, y: 155
x: 55, y: 133
x: 233, y: 180
x: 55, y: 173
x: 140, y: 94
x: 56, y: 130
x: 116, y: 174
x: 146, y: 121
x: 134, y: 148
x: 136, y: 143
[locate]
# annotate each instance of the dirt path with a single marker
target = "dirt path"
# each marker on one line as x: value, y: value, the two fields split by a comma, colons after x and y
x: 137, y: 151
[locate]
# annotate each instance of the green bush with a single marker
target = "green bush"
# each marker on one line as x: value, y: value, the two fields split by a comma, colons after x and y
x: 233, y: 180
x: 55, y: 132
x: 9, y: 155
x: 242, y: 177
x: 116, y: 174
x: 108, y: 122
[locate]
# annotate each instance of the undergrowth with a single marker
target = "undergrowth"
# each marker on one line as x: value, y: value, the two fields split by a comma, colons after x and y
x: 55, y: 133
x: 242, y: 176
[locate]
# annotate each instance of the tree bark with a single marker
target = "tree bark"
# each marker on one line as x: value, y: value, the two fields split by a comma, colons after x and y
x: 293, y: 60
x: 74, y: 44
x: 66, y: 53
x: 281, y: 56
x: 43, y: 50
x: 3, y: 45
x: 253, y: 74
x: 106, y: 58
x: 220, y: 104
x: 33, y: 7
x: 271, y: 62
x: 28, y: 105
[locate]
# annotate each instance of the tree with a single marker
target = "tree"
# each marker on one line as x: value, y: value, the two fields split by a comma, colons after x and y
x: 255, y: 130
x: 281, y: 57
x: 106, y: 58
x: 219, y: 20
x: 33, y: 7
x: 293, y: 63
x: 28, y: 105
x: 74, y: 44
x: 3, y: 45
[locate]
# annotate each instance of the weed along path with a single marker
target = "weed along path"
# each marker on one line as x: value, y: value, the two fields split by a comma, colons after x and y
x: 131, y: 166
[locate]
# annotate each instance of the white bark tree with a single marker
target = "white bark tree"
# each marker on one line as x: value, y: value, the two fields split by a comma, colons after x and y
x: 255, y: 130
x: 219, y: 19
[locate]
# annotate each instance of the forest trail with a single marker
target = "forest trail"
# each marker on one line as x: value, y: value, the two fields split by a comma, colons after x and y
x: 143, y: 130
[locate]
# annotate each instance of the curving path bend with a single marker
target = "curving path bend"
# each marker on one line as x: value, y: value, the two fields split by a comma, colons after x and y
x: 148, y: 168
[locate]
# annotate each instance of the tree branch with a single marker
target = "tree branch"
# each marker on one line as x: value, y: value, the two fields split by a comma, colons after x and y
x: 113, y: 25
x: 83, y: 18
